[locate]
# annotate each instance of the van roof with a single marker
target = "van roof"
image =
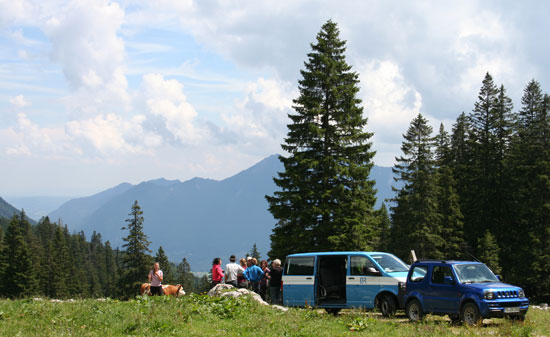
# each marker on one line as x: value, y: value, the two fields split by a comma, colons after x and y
x: 335, y: 253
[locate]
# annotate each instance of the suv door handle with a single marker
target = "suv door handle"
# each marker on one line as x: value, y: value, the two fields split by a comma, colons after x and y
x: 351, y: 278
x: 309, y: 278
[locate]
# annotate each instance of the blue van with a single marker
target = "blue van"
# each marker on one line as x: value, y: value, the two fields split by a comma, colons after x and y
x: 337, y: 280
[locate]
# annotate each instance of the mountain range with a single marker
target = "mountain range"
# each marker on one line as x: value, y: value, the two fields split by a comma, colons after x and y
x: 199, y: 219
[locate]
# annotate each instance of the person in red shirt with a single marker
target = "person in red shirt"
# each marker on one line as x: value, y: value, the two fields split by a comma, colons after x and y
x: 217, y: 272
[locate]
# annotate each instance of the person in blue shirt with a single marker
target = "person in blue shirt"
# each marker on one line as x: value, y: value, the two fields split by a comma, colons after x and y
x: 254, y: 275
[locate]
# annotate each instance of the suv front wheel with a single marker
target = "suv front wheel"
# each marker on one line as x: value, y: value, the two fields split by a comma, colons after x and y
x: 414, y: 311
x: 470, y: 314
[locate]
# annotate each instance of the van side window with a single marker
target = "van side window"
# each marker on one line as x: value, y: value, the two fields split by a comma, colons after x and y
x: 418, y: 273
x: 362, y: 265
x: 300, y: 266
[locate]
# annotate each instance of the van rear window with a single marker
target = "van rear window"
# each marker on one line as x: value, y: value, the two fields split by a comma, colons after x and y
x: 300, y: 266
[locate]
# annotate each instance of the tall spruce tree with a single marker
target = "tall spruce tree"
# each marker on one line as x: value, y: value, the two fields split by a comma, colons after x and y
x: 135, y: 260
x: 186, y: 278
x: 415, y: 218
x: 255, y: 253
x: 451, y: 218
x: 490, y: 122
x: 162, y: 259
x: 325, y: 199
x: 530, y: 158
x: 19, y: 275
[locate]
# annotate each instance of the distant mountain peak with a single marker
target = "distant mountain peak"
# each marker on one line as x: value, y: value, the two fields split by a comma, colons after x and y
x: 163, y: 182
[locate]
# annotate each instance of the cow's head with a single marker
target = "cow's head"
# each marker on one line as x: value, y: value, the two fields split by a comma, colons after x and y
x: 180, y: 291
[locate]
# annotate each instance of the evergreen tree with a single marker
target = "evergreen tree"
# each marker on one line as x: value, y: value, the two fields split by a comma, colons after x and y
x: 490, y: 136
x: 62, y: 264
x: 187, y: 279
x: 255, y: 253
x: 381, y: 241
x: 18, y: 276
x: 326, y: 200
x: 530, y: 233
x: 162, y: 259
x: 415, y: 218
x: 451, y: 218
x: 111, y: 271
x: 135, y: 260
x: 490, y: 252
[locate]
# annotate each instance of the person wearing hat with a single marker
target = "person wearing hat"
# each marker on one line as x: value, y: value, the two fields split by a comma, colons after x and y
x: 232, y: 270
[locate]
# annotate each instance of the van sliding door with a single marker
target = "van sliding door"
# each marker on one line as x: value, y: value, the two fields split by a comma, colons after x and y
x: 299, y: 281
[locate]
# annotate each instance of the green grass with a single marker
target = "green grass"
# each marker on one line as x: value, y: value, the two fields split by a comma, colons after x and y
x: 199, y: 315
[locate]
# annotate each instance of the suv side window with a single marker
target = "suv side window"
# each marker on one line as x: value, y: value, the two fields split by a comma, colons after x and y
x: 300, y: 266
x: 418, y: 273
x: 363, y: 266
x: 440, y: 272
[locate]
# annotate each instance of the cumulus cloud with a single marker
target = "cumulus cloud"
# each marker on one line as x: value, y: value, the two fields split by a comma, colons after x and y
x: 260, y: 119
x: 85, y: 41
x: 20, y: 101
x: 165, y: 100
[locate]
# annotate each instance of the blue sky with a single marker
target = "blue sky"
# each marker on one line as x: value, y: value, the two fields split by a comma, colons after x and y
x: 94, y: 92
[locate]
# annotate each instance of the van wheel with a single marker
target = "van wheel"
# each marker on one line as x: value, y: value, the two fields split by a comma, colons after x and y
x: 414, y: 311
x: 470, y: 314
x: 387, y: 306
x: 333, y: 311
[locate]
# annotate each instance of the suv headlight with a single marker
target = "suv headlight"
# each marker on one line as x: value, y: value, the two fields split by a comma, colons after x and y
x: 521, y: 293
x: 489, y: 295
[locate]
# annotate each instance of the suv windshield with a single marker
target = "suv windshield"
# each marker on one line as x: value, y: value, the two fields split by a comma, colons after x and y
x: 390, y: 263
x: 474, y: 273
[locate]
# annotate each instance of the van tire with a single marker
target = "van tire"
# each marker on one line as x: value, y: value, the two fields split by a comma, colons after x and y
x: 414, y: 311
x: 333, y: 311
x: 387, y: 305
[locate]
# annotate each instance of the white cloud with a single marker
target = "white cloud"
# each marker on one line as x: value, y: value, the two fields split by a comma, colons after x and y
x: 165, y: 99
x: 20, y: 101
x: 261, y: 117
x: 31, y: 140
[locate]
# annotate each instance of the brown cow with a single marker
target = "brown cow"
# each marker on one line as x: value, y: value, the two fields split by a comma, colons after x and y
x: 168, y: 289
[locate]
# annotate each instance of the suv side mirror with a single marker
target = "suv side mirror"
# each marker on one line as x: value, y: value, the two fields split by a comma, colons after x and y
x: 499, y: 277
x: 448, y: 280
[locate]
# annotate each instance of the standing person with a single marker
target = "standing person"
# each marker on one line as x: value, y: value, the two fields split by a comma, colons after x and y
x: 275, y: 278
x: 263, y: 281
x: 155, y: 278
x: 254, y: 274
x: 232, y: 271
x: 241, y: 281
x: 217, y: 272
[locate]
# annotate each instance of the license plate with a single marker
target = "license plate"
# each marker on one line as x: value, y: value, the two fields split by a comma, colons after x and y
x: 511, y: 309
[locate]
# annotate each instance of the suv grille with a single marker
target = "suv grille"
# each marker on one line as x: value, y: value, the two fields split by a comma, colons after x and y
x: 507, y: 294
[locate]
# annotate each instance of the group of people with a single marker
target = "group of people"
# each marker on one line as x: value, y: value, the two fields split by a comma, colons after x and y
x: 247, y: 274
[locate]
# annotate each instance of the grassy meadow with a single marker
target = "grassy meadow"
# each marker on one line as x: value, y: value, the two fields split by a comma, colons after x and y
x: 200, y: 315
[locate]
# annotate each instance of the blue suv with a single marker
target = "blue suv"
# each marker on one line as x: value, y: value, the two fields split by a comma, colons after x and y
x: 466, y: 291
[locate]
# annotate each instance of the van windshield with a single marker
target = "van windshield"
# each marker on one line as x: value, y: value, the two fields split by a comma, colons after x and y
x: 474, y: 273
x: 390, y: 263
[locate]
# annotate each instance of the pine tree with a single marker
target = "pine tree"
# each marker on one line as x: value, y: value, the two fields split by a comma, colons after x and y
x: 490, y: 252
x: 490, y: 136
x: 381, y: 240
x: 19, y: 276
x: 255, y: 253
x: 61, y: 264
x: 165, y: 266
x: 111, y: 271
x: 530, y: 158
x: 187, y: 279
x: 135, y: 260
x: 415, y: 220
x: 451, y: 218
x: 325, y: 199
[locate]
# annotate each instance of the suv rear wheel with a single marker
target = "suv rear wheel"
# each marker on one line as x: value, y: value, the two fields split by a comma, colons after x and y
x: 414, y: 311
x: 470, y: 314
